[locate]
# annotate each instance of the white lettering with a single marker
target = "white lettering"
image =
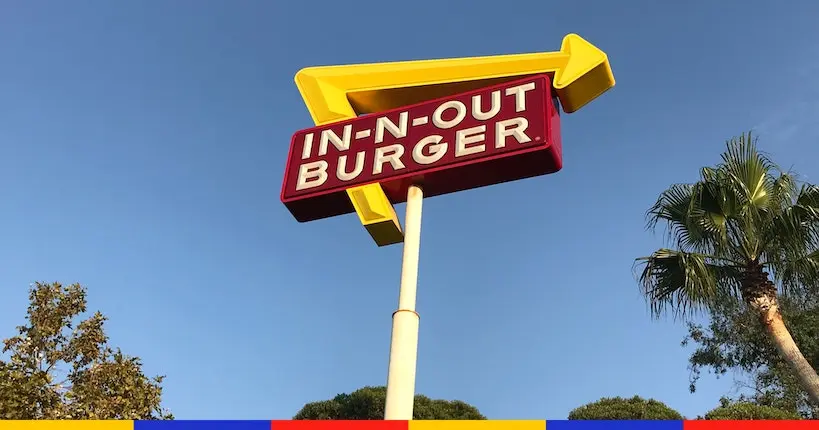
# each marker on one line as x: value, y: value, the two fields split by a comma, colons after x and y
x: 312, y: 175
x: 427, y: 151
x: 341, y: 170
x: 397, y: 131
x: 520, y: 95
x: 388, y: 154
x: 307, y: 148
x: 436, y: 149
x: 467, y: 137
x: 420, y: 121
x: 494, y: 107
x: 437, y: 116
x: 511, y: 127
x: 341, y: 143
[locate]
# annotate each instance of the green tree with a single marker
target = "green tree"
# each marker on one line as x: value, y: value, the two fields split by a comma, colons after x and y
x: 618, y: 408
x: 735, y: 340
x: 745, y: 231
x: 58, y: 368
x: 748, y: 411
x: 367, y: 403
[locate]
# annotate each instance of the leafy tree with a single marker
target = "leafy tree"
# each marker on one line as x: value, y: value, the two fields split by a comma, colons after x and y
x: 367, y: 403
x: 59, y: 369
x: 745, y: 231
x: 618, y: 408
x: 748, y: 411
x: 735, y: 339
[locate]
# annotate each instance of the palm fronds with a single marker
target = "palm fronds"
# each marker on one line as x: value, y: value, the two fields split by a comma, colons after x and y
x: 742, y: 212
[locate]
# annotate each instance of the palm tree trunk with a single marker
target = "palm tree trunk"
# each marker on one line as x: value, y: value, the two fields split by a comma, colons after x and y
x: 768, y: 308
x: 760, y: 294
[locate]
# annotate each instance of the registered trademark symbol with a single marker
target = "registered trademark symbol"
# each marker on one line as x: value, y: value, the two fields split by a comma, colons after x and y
x: 537, y: 137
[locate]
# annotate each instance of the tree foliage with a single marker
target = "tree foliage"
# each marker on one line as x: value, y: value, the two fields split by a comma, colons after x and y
x: 618, y: 408
x: 745, y: 232
x: 748, y: 411
x: 61, y: 368
x: 367, y: 403
x: 734, y: 341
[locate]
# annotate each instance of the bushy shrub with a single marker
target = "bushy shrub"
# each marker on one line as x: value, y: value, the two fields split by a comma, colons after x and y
x: 367, y: 403
x: 618, y: 408
x: 749, y: 411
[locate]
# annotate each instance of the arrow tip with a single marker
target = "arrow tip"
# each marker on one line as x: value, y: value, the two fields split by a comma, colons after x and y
x: 586, y: 75
x: 583, y: 57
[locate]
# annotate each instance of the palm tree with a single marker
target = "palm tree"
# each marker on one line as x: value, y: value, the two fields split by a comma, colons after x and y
x: 744, y: 231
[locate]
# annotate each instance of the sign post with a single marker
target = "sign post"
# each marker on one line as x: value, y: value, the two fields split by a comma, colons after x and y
x: 405, y: 320
x: 429, y: 128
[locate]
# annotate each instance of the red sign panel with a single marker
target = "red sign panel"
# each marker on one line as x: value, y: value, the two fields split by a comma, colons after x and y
x: 488, y: 136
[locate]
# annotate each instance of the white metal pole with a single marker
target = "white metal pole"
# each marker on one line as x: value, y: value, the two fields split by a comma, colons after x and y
x: 404, y: 342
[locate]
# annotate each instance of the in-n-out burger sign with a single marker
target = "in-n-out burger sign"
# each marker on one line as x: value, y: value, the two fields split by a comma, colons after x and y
x: 496, y: 134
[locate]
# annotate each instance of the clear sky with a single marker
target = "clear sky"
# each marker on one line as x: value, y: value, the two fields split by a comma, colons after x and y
x: 142, y: 147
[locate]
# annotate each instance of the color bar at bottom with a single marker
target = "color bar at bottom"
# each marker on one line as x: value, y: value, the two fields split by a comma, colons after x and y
x: 409, y: 425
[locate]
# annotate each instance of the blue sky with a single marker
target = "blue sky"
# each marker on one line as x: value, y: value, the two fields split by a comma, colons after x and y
x: 142, y: 147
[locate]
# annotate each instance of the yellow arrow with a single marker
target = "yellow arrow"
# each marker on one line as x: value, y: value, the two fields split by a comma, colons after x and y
x: 581, y: 72
x: 376, y: 214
